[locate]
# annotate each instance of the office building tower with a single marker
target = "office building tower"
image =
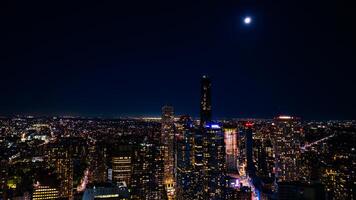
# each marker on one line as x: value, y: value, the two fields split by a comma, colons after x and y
x: 121, y: 163
x: 45, y: 186
x: 211, y: 138
x: 60, y: 157
x: 214, y: 170
x: 186, y: 183
x: 198, y: 164
x: 122, y: 168
x: 147, y: 177
x: 242, y: 160
x: 205, y: 101
x: 42, y: 192
x: 98, y: 159
x: 249, y: 148
x: 231, y: 145
x: 264, y: 159
x: 167, y: 140
x: 287, y: 136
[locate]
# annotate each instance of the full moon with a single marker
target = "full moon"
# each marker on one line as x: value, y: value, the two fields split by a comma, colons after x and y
x: 247, y: 20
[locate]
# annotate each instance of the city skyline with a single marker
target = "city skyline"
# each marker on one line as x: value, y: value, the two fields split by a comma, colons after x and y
x: 108, y: 59
x: 186, y: 100
x: 176, y: 157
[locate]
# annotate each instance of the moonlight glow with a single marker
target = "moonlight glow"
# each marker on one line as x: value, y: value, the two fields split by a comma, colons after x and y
x: 247, y: 20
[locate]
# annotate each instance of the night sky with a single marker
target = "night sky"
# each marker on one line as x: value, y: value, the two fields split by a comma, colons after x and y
x: 128, y: 59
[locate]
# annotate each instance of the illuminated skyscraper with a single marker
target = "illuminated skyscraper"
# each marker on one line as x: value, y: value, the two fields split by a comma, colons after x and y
x: 122, y: 168
x: 120, y: 159
x: 186, y: 183
x: 205, y: 101
x: 60, y: 157
x: 214, y: 162
x: 287, y: 144
x: 45, y: 186
x: 147, y: 175
x: 167, y: 140
x: 249, y: 148
x: 98, y: 157
x: 213, y: 154
x: 230, y: 134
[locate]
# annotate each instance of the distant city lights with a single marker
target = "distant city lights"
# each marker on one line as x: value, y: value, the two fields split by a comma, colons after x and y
x: 285, y: 117
x: 213, y: 126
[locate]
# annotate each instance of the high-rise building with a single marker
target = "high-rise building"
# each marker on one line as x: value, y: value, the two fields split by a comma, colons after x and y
x: 167, y: 140
x: 60, y: 157
x: 45, y: 192
x: 121, y: 163
x: 214, y: 170
x: 264, y: 160
x: 147, y: 177
x: 231, y: 146
x: 186, y: 183
x: 287, y: 137
x: 122, y: 168
x: 198, y: 164
x: 45, y: 186
x: 213, y: 147
x: 249, y: 148
x: 205, y: 101
x: 98, y: 160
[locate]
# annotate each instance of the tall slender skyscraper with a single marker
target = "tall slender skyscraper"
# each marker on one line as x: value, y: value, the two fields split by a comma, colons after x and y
x: 167, y: 140
x: 205, y: 101
x: 212, y: 146
x: 231, y: 146
x: 249, y: 148
x: 186, y: 182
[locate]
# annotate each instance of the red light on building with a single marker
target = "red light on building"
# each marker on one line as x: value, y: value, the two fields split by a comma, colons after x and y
x: 249, y: 124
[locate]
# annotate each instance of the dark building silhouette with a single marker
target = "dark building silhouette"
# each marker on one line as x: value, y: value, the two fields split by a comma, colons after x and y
x: 249, y: 148
x: 205, y: 100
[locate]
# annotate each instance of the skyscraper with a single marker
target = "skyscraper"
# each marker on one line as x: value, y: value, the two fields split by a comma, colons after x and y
x: 249, y: 148
x: 214, y: 162
x: 287, y: 144
x: 122, y: 168
x: 214, y: 167
x: 167, y: 140
x: 231, y: 146
x: 147, y: 171
x: 205, y: 101
x: 186, y: 184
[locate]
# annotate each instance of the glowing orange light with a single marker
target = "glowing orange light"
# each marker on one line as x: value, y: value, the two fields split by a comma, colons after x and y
x: 285, y: 117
